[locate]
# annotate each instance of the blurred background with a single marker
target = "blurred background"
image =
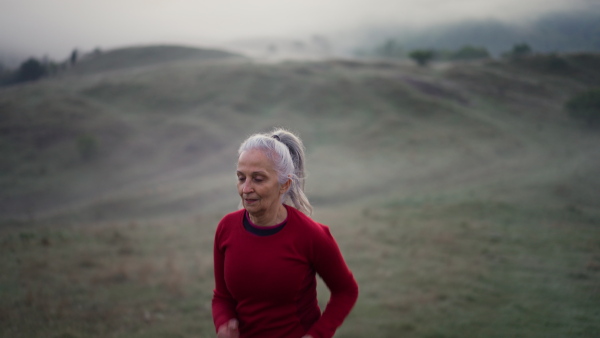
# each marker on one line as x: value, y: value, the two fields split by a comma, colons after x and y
x: 452, y: 147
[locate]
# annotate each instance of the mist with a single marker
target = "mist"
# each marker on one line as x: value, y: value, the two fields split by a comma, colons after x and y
x: 53, y: 29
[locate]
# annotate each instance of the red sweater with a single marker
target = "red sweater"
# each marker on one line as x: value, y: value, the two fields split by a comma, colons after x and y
x: 268, y: 282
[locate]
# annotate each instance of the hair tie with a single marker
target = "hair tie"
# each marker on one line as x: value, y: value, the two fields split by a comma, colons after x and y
x: 276, y: 137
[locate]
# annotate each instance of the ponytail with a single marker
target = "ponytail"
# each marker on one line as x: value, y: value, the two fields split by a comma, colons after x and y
x: 295, y: 193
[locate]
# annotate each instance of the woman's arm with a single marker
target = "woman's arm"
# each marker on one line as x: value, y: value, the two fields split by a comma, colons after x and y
x: 330, y: 265
x: 223, y: 304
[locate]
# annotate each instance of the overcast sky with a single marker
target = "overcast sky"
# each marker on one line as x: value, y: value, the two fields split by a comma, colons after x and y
x: 55, y: 27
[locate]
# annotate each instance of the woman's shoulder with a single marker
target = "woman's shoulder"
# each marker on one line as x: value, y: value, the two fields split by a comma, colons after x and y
x: 308, y: 223
x: 234, y: 214
x: 231, y: 218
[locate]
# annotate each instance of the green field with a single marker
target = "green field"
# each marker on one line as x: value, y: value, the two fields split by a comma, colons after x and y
x: 464, y: 199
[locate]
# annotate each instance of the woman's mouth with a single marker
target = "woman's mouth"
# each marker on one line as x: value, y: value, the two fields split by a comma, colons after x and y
x: 250, y: 201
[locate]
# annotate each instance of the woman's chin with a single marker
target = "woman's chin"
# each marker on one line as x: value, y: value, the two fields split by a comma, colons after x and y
x: 250, y: 205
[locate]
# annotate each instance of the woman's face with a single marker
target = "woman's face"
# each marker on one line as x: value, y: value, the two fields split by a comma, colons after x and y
x: 257, y: 183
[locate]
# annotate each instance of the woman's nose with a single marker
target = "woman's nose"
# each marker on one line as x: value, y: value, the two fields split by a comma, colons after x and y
x: 246, y: 187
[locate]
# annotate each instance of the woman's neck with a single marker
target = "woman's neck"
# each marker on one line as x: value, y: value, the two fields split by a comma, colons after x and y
x: 269, y: 218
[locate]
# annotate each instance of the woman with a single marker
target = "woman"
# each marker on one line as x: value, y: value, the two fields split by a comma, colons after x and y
x: 266, y: 254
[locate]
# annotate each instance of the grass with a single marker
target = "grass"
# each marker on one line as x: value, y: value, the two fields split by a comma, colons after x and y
x: 111, y: 280
x: 478, y: 269
x: 470, y: 269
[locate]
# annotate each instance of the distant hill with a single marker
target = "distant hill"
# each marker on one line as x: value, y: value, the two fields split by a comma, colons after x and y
x: 131, y: 57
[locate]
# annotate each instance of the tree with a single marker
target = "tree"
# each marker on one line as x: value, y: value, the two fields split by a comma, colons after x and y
x: 30, y: 70
x: 5, y: 75
x: 470, y: 53
x: 519, y: 50
x: 585, y: 106
x: 73, y: 58
x: 390, y: 48
x: 421, y: 56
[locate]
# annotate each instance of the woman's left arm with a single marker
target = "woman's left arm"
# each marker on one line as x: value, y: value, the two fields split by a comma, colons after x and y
x: 330, y: 265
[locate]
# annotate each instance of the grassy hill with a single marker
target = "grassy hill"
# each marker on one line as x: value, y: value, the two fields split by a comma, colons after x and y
x: 134, y: 57
x: 464, y: 199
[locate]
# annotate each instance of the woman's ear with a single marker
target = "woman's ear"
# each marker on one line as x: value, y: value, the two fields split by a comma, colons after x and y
x: 286, y: 186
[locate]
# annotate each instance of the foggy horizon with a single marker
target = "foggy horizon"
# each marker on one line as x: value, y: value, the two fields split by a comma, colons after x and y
x: 54, y: 29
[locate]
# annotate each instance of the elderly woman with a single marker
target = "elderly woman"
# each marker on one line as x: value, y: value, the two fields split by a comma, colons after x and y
x: 267, y: 254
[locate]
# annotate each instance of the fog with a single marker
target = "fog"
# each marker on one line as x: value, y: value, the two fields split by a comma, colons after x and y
x: 54, y: 28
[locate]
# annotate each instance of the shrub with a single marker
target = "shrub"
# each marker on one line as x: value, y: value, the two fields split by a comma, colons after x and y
x: 470, y: 53
x: 421, y: 56
x: 518, y: 51
x: 585, y: 106
x: 30, y: 70
x: 521, y: 49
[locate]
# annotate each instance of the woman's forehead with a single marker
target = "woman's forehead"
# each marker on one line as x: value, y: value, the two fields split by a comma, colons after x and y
x: 254, y: 160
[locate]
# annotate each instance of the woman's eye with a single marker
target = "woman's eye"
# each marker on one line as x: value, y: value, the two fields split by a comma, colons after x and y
x: 241, y: 179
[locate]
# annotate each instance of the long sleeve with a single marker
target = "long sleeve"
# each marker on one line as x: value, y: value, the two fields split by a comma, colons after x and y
x: 330, y: 265
x: 223, y: 304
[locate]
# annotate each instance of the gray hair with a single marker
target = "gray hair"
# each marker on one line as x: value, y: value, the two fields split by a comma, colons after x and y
x: 287, y: 153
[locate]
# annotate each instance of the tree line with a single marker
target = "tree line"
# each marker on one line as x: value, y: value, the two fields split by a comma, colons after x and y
x: 392, y: 49
x: 34, y: 69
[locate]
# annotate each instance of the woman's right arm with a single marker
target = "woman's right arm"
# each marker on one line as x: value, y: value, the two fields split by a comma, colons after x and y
x: 223, y: 304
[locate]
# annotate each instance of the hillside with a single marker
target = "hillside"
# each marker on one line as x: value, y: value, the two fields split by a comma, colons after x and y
x: 463, y: 198
x: 174, y: 128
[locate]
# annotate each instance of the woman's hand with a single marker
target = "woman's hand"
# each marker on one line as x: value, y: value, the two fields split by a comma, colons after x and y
x: 229, y: 329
